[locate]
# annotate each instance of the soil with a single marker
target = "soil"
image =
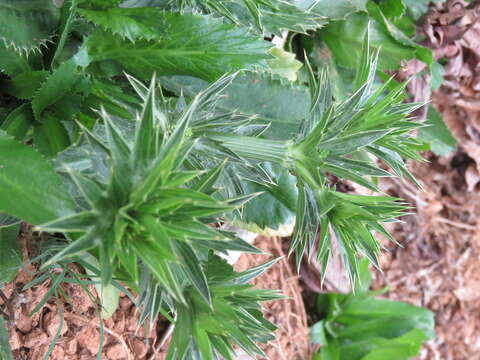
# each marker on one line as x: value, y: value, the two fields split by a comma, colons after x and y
x: 292, y: 340
x: 31, y: 336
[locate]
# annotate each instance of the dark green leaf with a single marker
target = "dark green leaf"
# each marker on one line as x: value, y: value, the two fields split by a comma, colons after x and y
x: 18, y: 122
x: 208, y: 48
x: 27, y: 24
x: 50, y: 135
x: 345, y: 40
x: 56, y: 86
x: 29, y: 187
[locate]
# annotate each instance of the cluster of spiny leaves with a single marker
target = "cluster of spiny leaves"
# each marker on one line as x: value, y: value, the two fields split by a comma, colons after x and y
x: 143, y: 181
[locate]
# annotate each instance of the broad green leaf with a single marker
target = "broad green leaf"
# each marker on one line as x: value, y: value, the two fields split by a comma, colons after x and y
x: 375, y: 317
x: 29, y: 187
x: 318, y: 334
x: 274, y: 102
x: 389, y: 28
x: 280, y: 104
x: 345, y: 39
x: 277, y: 205
x: 437, y: 134
x: 392, y: 8
x: 335, y: 9
x: 27, y: 24
x: 401, y: 348
x: 195, y: 45
x: 10, y: 254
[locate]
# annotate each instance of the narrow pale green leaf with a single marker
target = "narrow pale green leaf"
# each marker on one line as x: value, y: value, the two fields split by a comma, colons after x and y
x: 5, y: 349
x: 10, y: 254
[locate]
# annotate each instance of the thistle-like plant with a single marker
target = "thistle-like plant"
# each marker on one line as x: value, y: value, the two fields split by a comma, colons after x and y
x: 142, y: 212
x: 340, y: 138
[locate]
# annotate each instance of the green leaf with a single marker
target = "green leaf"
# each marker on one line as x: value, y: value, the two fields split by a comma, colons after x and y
x: 12, y: 63
x: 56, y: 86
x: 5, y: 349
x: 280, y: 104
x: 318, y: 334
x: 193, y: 269
x: 109, y: 295
x: 401, y: 348
x: 24, y: 85
x: 437, y: 134
x: 272, y: 102
x: 392, y: 8
x: 389, y: 28
x: 27, y: 24
x: 345, y: 40
x: 437, y: 71
x: 276, y: 205
x: 10, y: 253
x: 351, y: 143
x: 132, y: 24
x: 265, y: 16
x: 384, y: 318
x: 191, y: 45
x: 18, y: 122
x: 284, y: 64
x: 50, y: 136
x: 337, y: 9
x: 29, y: 187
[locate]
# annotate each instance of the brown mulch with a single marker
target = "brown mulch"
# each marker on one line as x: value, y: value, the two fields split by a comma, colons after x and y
x: 437, y: 268
x: 292, y: 339
x: 31, y: 336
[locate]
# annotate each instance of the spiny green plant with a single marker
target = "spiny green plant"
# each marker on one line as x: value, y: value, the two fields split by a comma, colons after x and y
x: 140, y: 180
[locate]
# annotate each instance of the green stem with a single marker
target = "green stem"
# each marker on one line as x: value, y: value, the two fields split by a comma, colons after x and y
x: 66, y: 30
x: 257, y: 149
